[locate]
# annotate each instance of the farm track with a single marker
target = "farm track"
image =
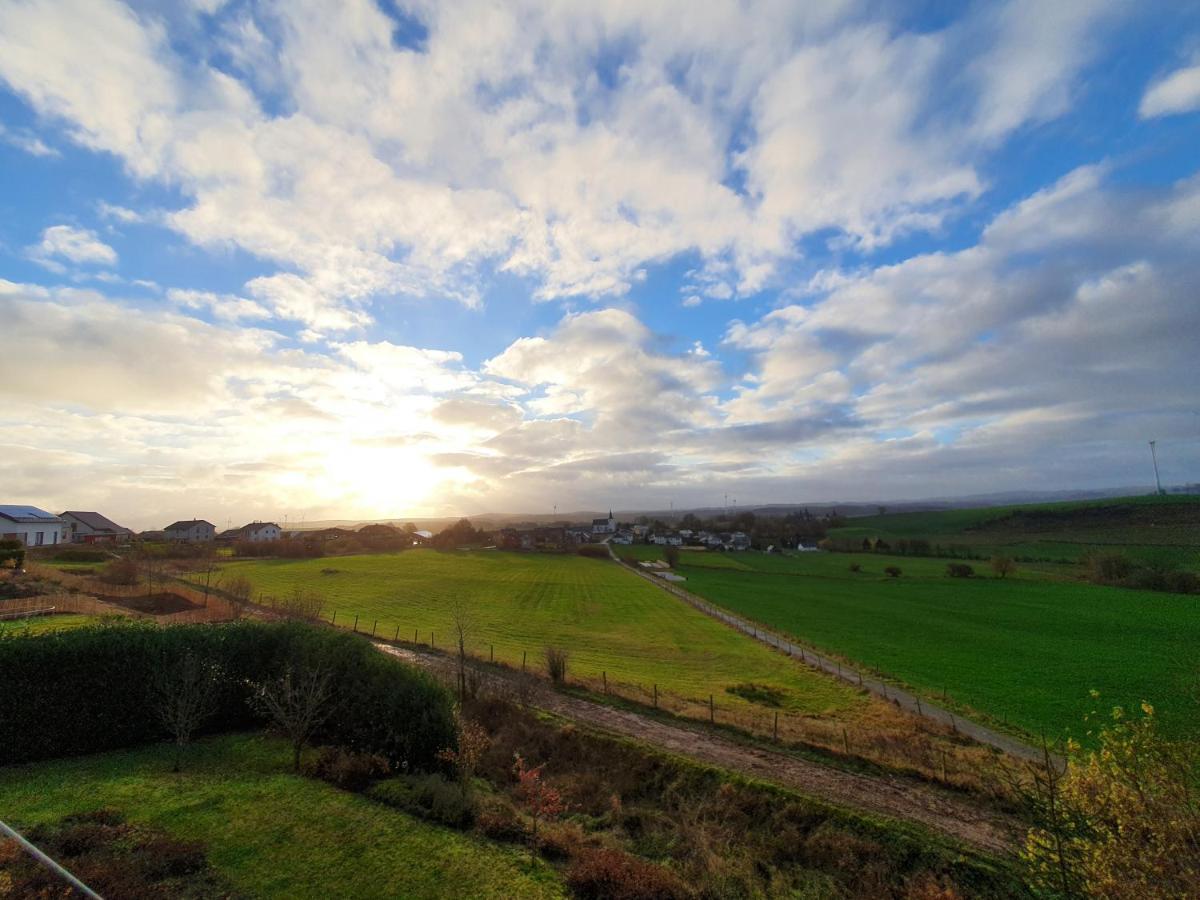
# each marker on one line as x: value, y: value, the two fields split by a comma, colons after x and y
x: 935, y: 808
x: 901, y: 698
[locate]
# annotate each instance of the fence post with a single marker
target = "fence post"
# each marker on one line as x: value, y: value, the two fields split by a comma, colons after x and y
x: 919, y: 713
x: 712, y: 711
x: 523, y: 660
x: 604, y: 678
x: 415, y: 641
x: 333, y: 621
x: 491, y: 652
x: 396, y: 639
x: 432, y: 646
x: 776, y: 729
x: 845, y: 741
x: 373, y: 627
x: 656, y: 696
x: 356, y: 624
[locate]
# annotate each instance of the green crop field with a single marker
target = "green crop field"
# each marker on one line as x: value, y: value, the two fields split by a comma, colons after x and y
x: 272, y: 833
x: 605, y: 617
x: 1026, y: 649
x: 1151, y: 529
x: 43, y: 624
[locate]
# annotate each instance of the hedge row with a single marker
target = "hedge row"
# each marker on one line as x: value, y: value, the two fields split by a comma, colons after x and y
x: 88, y: 690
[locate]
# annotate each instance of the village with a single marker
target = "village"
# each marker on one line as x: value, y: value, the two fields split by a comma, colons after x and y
x: 33, y: 527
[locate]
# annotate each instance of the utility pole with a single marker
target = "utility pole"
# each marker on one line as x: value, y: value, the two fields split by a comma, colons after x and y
x: 1154, y: 456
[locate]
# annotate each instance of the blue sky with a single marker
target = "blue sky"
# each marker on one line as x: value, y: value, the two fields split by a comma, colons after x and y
x: 373, y: 259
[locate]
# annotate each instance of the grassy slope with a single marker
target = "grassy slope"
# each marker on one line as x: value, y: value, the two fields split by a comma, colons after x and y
x: 274, y: 834
x: 607, y: 619
x: 1022, y: 648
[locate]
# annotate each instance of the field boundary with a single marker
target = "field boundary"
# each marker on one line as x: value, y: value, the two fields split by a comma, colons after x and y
x: 903, y: 699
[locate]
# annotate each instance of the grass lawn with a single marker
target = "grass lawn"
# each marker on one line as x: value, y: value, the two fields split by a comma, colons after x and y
x: 1026, y: 649
x: 272, y: 833
x: 43, y: 624
x: 605, y: 617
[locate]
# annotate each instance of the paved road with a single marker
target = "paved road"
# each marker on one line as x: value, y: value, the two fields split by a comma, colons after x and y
x: 929, y: 805
x: 901, y: 698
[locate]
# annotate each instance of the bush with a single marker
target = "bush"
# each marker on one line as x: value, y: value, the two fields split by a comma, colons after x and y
x: 614, y: 875
x: 556, y: 664
x: 347, y: 769
x: 893, y: 571
x: 87, y: 690
x: 429, y: 796
x: 855, y: 567
x: 81, y: 556
x: 121, y: 571
x: 960, y: 570
x: 594, y: 551
x: 1110, y: 568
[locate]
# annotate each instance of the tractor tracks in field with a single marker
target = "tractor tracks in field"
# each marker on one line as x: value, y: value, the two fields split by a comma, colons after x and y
x: 928, y: 805
x: 900, y: 698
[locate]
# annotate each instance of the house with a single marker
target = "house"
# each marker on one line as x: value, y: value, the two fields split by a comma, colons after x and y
x: 92, y: 528
x: 31, y: 526
x: 604, y: 526
x: 191, y: 531
x: 623, y: 537
x: 260, y: 531
x: 739, y: 541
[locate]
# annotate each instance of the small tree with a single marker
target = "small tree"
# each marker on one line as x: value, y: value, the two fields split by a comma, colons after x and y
x: 893, y: 571
x: 208, y: 575
x: 185, y: 692
x: 541, y: 800
x: 960, y: 570
x: 1003, y: 565
x: 473, y: 742
x: 556, y: 664
x: 298, y: 702
x: 672, y: 555
x: 238, y: 590
x: 462, y: 623
x: 152, y: 565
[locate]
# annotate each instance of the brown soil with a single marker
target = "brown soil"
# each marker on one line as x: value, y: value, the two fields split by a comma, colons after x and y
x: 957, y: 815
x: 155, y: 604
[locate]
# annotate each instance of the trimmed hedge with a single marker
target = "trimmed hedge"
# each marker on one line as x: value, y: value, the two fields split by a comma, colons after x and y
x: 88, y: 690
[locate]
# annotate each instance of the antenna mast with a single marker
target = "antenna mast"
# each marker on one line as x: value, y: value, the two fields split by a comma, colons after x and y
x: 1154, y: 456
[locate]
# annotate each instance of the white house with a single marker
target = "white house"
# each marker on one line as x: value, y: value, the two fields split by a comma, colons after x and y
x: 190, y: 530
x: 92, y: 528
x: 604, y: 526
x: 260, y: 531
x: 31, y: 526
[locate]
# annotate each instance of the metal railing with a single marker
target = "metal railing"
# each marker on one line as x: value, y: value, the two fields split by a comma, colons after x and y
x: 49, y: 863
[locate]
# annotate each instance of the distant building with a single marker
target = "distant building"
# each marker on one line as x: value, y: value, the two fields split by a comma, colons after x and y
x: 256, y: 532
x: 31, y: 526
x: 604, y: 526
x: 92, y: 528
x: 191, y: 531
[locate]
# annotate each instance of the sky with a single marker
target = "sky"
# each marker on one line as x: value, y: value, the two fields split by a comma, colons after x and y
x: 368, y: 258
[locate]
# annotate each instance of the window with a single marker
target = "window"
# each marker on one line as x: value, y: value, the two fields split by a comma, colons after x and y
x: 39, y: 538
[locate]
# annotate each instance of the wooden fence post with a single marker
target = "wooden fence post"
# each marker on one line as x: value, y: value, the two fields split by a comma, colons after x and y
x: 523, y: 660
x: 432, y: 646
x: 373, y: 627
x: 333, y: 621
x: 415, y: 639
x: 919, y: 713
x: 712, y: 711
x: 604, y: 678
x: 845, y: 741
x: 776, y: 729
x: 491, y: 652
x: 656, y: 696
x: 397, y: 637
x: 356, y: 624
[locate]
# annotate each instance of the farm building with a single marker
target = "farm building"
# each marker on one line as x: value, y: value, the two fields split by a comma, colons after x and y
x: 256, y: 532
x: 92, y: 528
x: 191, y: 531
x: 31, y: 526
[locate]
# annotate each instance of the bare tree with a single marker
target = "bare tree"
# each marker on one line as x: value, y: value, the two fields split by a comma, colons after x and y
x: 303, y: 604
x: 208, y: 575
x: 462, y: 624
x: 299, y: 702
x: 186, y: 692
x: 1003, y: 565
x: 152, y: 565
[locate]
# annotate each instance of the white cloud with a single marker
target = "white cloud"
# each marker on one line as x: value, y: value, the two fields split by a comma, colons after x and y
x: 27, y: 141
x: 365, y: 170
x: 77, y: 245
x: 1178, y: 92
x: 226, y: 307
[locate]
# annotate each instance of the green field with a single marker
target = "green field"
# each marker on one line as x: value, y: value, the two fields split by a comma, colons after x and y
x: 606, y: 618
x: 1149, y: 529
x: 1026, y: 649
x: 272, y: 833
x: 43, y: 624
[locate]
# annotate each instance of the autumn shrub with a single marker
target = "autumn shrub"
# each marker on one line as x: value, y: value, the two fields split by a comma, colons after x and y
x: 428, y: 796
x: 1109, y: 568
x: 893, y: 571
x: 960, y: 570
x: 556, y: 664
x: 348, y: 769
x: 594, y: 551
x: 607, y: 874
x: 121, y: 571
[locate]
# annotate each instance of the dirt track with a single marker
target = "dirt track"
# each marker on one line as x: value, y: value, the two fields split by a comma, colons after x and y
x: 928, y: 805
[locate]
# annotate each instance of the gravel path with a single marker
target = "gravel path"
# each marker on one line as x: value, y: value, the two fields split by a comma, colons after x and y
x: 929, y: 805
x: 901, y: 698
